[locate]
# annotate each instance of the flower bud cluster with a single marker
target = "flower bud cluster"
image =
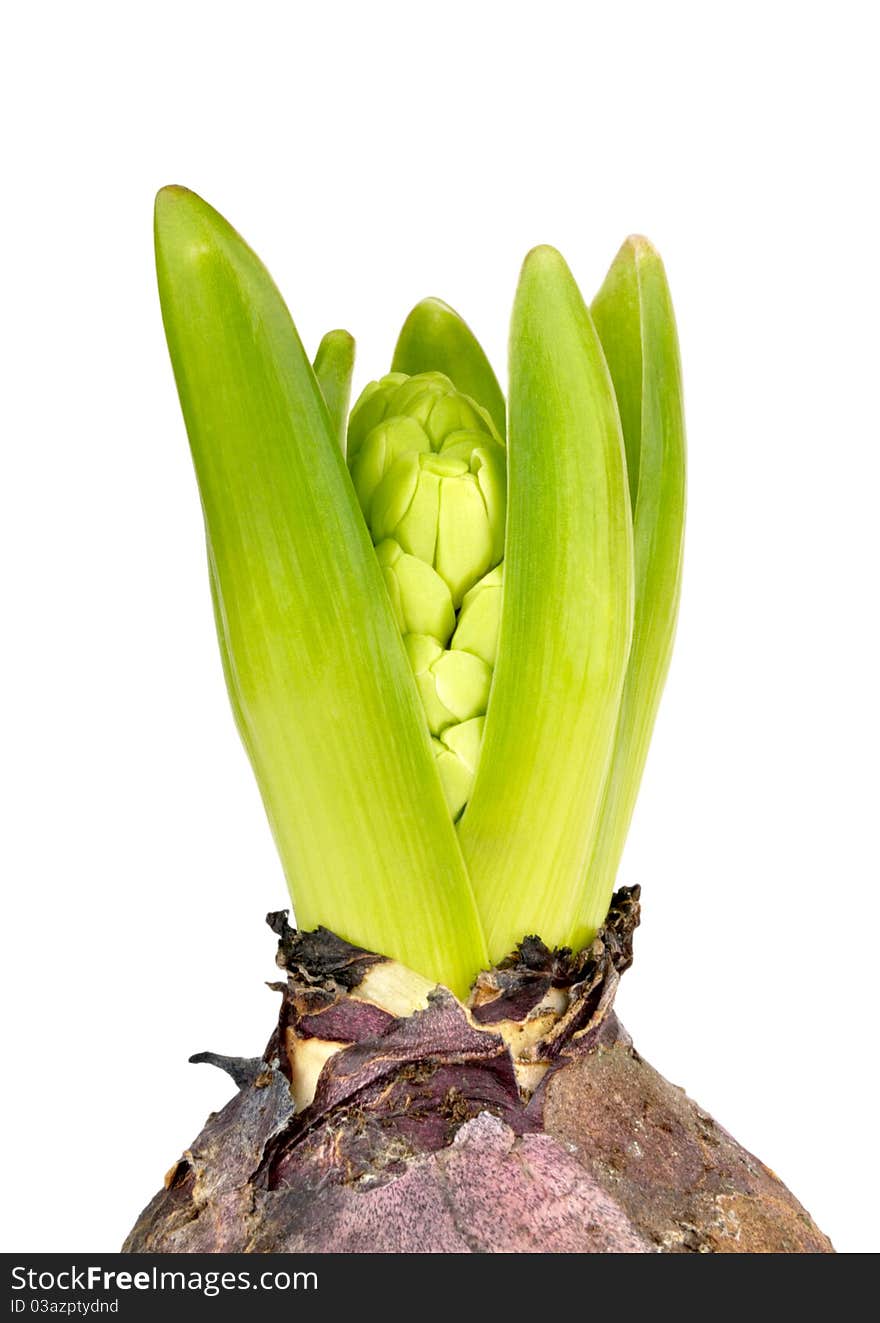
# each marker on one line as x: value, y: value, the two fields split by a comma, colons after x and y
x: 430, y: 472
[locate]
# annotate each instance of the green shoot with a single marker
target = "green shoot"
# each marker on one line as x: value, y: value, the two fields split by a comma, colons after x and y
x: 318, y: 673
x: 566, y: 621
x: 634, y: 318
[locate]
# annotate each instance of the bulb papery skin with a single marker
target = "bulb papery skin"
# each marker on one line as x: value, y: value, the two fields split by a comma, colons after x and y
x: 387, y: 1116
x: 430, y: 473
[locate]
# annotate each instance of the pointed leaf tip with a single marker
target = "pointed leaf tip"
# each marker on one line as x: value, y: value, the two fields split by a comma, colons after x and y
x: 640, y: 243
x: 172, y: 198
x: 434, y: 338
x: 333, y: 366
x: 543, y: 257
x: 640, y: 249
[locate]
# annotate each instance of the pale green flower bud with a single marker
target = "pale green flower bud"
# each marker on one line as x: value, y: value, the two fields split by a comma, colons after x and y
x: 488, y: 463
x: 446, y: 510
x: 455, y: 413
x: 430, y: 473
x: 479, y: 619
x: 371, y: 409
x: 383, y: 444
x: 418, y: 396
x: 421, y: 600
x: 457, y: 752
x: 430, y: 399
x: 454, y: 686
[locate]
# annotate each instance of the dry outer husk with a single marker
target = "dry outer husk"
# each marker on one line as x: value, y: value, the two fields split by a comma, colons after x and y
x: 525, y: 1122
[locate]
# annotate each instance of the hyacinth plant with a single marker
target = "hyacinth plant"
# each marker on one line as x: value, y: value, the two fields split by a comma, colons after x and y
x: 445, y: 627
x: 445, y: 623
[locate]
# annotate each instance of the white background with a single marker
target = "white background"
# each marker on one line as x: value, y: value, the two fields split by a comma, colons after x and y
x: 372, y: 154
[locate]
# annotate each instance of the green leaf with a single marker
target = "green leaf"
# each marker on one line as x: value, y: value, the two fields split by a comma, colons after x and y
x: 566, y: 621
x: 634, y: 318
x: 318, y: 674
x: 435, y: 339
x: 334, y: 364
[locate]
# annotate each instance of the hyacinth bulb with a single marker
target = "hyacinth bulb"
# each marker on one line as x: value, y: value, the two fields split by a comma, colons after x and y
x: 447, y: 1071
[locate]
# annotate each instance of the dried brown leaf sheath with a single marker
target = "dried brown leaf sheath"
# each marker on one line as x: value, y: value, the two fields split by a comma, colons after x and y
x: 525, y: 1123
